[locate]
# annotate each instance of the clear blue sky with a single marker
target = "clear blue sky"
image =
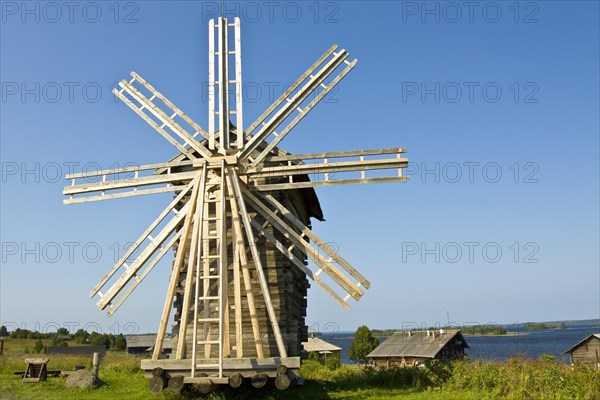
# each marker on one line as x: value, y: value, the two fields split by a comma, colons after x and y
x: 484, y: 89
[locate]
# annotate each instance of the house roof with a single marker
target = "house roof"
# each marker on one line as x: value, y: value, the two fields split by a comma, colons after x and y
x: 319, y: 345
x: 146, y: 340
x: 584, y: 340
x: 417, y: 344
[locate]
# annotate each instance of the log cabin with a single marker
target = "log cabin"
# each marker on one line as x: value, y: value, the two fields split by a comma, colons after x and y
x: 404, y: 349
x: 587, y: 351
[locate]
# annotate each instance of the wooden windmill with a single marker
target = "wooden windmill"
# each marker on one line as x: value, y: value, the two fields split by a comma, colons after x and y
x: 239, y: 221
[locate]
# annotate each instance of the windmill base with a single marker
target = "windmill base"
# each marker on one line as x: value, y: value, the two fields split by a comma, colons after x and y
x: 207, y: 376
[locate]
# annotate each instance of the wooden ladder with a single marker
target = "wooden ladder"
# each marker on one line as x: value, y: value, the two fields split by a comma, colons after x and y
x: 211, y: 273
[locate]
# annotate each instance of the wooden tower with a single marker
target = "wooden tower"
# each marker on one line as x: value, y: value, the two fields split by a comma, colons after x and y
x: 239, y: 223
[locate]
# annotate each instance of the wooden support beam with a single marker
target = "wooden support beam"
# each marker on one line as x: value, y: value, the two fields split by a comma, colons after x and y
x: 237, y: 293
x: 258, y: 264
x: 177, y: 267
x: 196, y: 236
x: 237, y: 226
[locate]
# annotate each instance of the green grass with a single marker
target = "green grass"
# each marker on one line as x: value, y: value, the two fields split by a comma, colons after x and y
x: 515, y: 379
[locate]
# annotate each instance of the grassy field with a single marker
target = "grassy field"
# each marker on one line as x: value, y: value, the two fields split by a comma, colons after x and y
x: 515, y: 379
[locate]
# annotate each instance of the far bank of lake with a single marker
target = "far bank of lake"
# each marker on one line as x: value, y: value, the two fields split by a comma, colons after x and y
x: 529, y: 344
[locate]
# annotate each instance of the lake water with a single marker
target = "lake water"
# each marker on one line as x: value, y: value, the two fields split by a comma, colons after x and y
x: 528, y: 344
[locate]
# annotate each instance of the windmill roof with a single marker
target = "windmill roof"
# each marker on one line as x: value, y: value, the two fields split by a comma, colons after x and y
x: 581, y: 342
x: 319, y: 345
x: 416, y: 344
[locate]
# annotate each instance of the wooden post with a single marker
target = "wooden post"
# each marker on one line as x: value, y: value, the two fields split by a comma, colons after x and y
x: 177, y: 266
x: 1, y: 347
x: 262, y: 280
x: 205, y: 387
x: 239, y: 236
x: 236, y: 380
x: 237, y: 290
x: 283, y: 382
x: 175, y: 383
x: 185, y: 305
x: 156, y: 384
x: 259, y: 380
x: 96, y: 364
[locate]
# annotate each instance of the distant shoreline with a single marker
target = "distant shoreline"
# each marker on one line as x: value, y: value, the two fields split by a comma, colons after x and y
x: 502, y: 334
x: 514, y: 329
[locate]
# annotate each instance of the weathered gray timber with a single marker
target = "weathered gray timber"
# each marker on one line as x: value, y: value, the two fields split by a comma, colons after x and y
x: 239, y: 224
x: 587, y: 351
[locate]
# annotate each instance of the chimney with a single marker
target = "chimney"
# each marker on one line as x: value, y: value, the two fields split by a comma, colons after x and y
x: 428, y: 333
x: 409, y: 333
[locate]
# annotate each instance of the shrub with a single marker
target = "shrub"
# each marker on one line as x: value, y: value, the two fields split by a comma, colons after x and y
x: 39, y: 347
x: 332, y: 363
x: 518, y: 378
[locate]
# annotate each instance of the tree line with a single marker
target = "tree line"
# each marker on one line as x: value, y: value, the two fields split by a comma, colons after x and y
x: 62, y: 337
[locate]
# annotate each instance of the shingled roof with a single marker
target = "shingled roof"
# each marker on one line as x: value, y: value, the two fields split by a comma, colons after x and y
x: 146, y: 340
x: 425, y: 344
x: 319, y: 345
x: 584, y: 340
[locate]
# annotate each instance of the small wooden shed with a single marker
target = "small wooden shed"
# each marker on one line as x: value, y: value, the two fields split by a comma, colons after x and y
x: 414, y: 348
x: 587, y: 351
x: 322, y: 348
x: 77, y: 350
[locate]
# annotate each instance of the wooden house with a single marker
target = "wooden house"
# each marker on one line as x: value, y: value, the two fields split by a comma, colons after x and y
x: 414, y: 348
x: 322, y: 348
x: 77, y: 350
x: 143, y: 344
x: 586, y: 351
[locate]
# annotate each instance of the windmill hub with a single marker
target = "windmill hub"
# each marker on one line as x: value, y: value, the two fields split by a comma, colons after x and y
x: 217, y: 161
x: 239, y: 222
